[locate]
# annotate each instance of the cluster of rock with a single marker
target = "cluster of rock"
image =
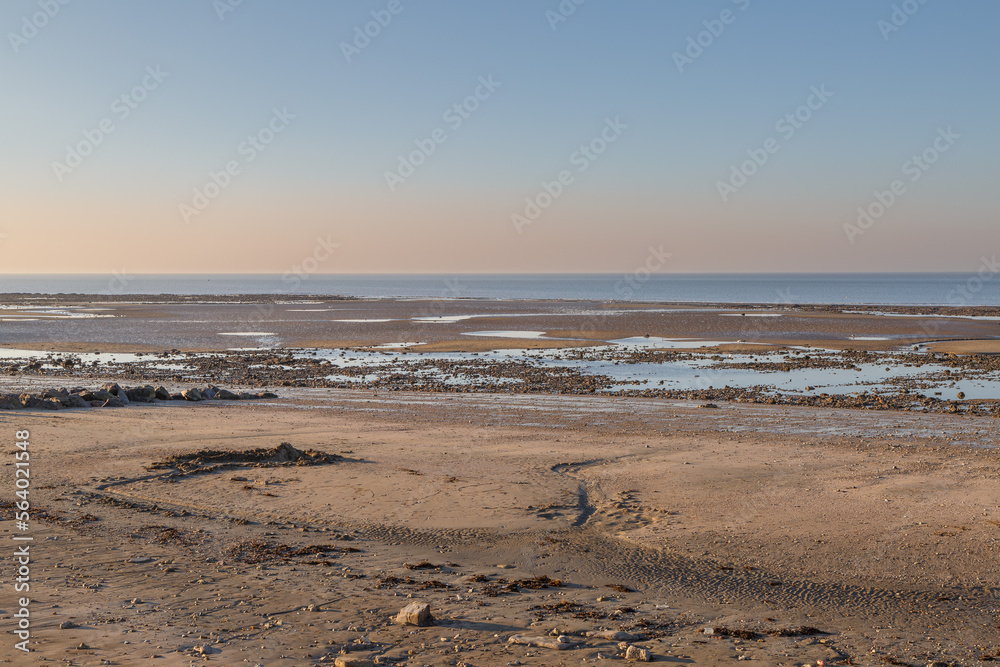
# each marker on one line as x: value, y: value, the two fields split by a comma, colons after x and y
x: 112, y: 395
x: 419, y: 614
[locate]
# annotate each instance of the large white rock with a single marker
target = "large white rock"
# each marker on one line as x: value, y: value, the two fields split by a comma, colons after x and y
x: 415, y: 613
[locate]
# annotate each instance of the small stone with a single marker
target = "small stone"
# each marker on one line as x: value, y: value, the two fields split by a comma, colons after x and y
x: 637, y: 654
x: 136, y: 601
x: 614, y: 635
x: 67, y: 625
x: 348, y: 661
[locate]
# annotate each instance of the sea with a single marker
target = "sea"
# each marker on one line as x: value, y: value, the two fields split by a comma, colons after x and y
x: 896, y: 289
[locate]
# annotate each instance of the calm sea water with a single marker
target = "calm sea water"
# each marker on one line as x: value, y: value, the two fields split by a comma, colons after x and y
x: 849, y: 289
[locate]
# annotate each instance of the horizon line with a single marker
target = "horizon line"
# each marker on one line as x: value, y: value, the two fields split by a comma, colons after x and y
x: 487, y: 273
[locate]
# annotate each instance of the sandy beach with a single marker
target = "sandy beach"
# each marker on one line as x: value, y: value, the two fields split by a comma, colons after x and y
x: 659, y: 519
x: 546, y: 513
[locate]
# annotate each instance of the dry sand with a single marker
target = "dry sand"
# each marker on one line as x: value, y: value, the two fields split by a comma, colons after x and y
x: 879, y: 529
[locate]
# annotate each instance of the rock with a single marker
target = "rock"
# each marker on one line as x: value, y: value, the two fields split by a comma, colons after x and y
x: 267, y: 394
x: 637, y: 653
x: 226, y: 395
x: 162, y: 393
x: 285, y: 452
x: 75, y: 401
x: 101, y: 395
x: 245, y: 396
x: 67, y: 625
x: 144, y: 394
x: 113, y: 388
x: 193, y: 394
x: 209, y: 392
x: 415, y: 613
x: 83, y: 647
x: 113, y: 402
x: 136, y: 601
x: 560, y: 644
x: 205, y: 650
x: 348, y: 661
x: 35, y: 403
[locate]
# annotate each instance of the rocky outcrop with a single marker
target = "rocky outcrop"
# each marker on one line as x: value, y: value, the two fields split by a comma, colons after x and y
x: 112, y: 395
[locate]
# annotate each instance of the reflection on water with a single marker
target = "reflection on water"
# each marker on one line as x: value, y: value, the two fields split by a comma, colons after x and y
x: 507, y: 334
x: 656, y: 343
x: 630, y: 363
x: 35, y: 313
x: 363, y: 320
x: 701, y: 371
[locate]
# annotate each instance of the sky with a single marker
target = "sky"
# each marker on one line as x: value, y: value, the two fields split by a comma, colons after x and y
x: 411, y: 136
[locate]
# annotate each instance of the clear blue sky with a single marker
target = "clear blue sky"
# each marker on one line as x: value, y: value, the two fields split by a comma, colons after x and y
x: 658, y: 183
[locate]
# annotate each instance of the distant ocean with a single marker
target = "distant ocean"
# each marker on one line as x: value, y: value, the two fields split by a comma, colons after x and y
x: 955, y: 289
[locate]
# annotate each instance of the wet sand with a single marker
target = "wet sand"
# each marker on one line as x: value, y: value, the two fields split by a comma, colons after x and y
x: 880, y: 530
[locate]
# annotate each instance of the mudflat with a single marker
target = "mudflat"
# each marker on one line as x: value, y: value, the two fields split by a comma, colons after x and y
x: 68, y: 323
